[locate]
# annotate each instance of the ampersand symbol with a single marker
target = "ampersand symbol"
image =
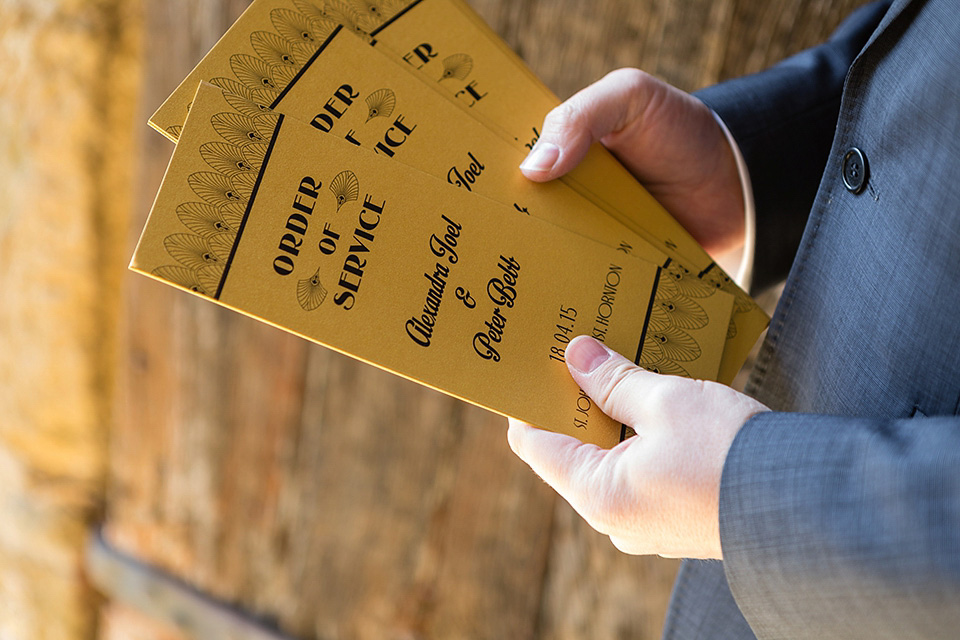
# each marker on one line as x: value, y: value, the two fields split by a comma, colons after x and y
x: 464, y: 296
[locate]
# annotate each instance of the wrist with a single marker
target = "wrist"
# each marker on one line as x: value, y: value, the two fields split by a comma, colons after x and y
x: 738, y: 262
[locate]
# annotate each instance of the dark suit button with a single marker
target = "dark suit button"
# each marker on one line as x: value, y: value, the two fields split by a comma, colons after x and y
x: 854, y: 170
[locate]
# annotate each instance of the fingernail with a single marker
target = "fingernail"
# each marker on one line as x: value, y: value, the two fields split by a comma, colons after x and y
x: 586, y: 354
x: 542, y: 158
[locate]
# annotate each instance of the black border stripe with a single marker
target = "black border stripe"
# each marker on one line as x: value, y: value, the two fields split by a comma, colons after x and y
x: 303, y: 69
x: 246, y: 213
x: 646, y: 321
x: 395, y: 17
x: 643, y: 334
x: 709, y: 268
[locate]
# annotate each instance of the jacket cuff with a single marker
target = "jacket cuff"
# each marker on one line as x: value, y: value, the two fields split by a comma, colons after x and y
x: 762, y: 482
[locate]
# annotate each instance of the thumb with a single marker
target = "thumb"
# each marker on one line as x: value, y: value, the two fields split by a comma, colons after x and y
x: 589, y: 478
x: 600, y: 109
x: 562, y: 461
x: 621, y: 389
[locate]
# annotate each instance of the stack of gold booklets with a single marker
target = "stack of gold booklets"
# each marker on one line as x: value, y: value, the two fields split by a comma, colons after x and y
x: 347, y: 170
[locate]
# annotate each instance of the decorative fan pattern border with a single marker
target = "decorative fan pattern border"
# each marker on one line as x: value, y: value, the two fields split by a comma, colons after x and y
x: 298, y: 33
x: 667, y: 343
x: 213, y: 223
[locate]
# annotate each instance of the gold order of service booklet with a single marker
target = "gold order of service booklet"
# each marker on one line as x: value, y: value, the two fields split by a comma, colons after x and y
x: 329, y: 187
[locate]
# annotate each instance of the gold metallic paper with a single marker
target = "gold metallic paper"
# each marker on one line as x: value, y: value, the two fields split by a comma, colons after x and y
x: 455, y: 54
x: 366, y: 255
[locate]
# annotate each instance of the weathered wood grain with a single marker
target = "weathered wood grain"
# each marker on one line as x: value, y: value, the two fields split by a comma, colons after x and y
x: 64, y: 198
x: 339, y: 501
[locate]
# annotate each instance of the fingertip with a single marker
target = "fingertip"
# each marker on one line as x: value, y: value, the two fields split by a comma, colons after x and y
x: 611, y: 380
x: 584, y: 354
x: 537, y: 447
x: 516, y: 433
x: 628, y: 546
x: 540, y: 162
x: 537, y: 176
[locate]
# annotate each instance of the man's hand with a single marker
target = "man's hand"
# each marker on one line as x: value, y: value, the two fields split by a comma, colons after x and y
x: 659, y: 491
x: 667, y: 138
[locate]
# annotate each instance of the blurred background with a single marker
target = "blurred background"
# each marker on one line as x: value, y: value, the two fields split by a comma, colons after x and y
x: 170, y: 470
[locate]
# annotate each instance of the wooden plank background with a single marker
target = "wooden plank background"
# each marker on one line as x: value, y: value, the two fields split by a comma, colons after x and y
x: 70, y: 74
x: 335, y: 500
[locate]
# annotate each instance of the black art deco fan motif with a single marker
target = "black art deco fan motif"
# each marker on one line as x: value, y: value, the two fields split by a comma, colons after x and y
x: 203, y: 281
x: 675, y: 311
x: 311, y: 292
x: 313, y: 11
x: 215, y: 188
x: 277, y: 51
x: 679, y: 278
x: 299, y: 28
x: 238, y: 129
x: 299, y: 32
x: 319, y: 25
x: 742, y: 303
x: 376, y: 11
x: 458, y: 66
x: 207, y: 220
x: 212, y: 223
x: 715, y: 278
x: 671, y: 343
x: 195, y: 252
x: 345, y: 187
x: 240, y: 165
x: 381, y: 104
x: 228, y: 159
x: 344, y: 13
x: 683, y: 313
x: 245, y: 100
x: 253, y: 72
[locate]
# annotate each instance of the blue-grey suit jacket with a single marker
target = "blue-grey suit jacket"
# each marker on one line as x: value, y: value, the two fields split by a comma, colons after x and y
x: 840, y: 510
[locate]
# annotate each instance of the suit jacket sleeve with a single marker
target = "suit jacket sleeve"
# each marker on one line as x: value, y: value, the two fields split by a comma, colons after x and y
x: 849, y: 532
x: 783, y: 120
x: 833, y: 525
